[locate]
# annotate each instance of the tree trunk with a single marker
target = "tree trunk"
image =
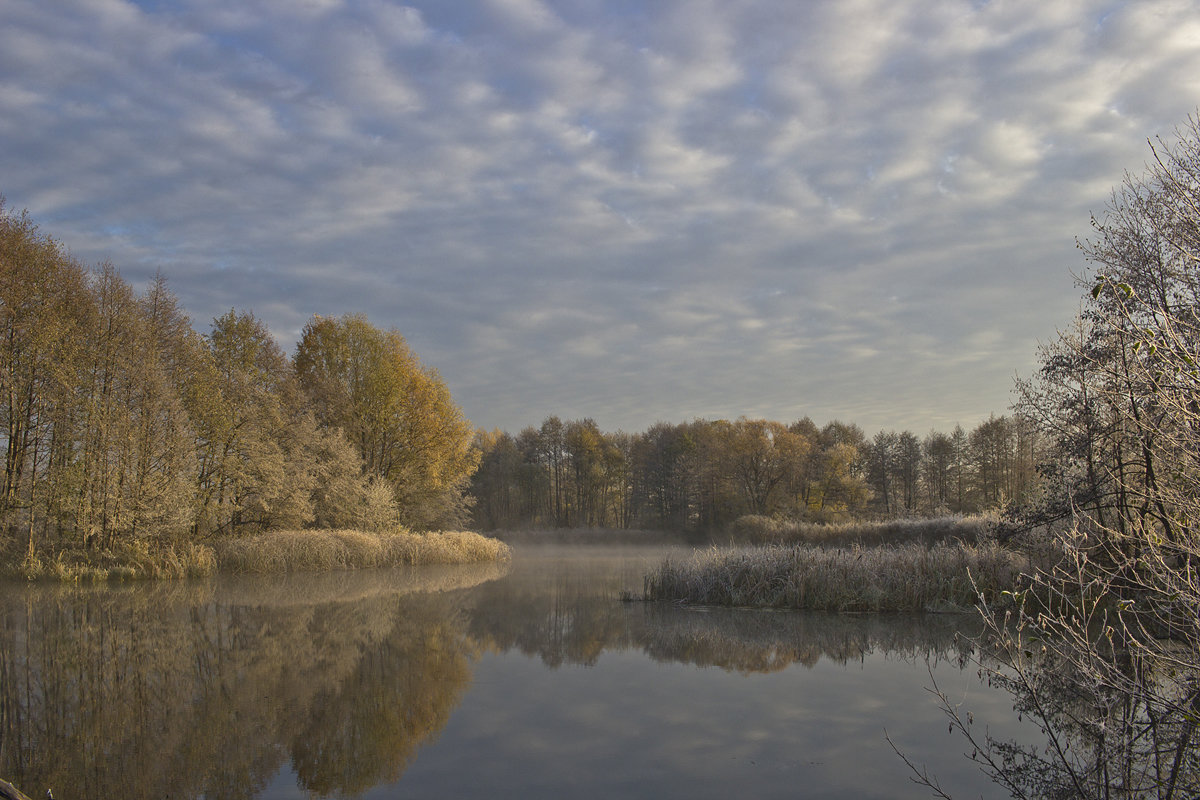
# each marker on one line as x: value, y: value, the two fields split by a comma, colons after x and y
x: 10, y: 792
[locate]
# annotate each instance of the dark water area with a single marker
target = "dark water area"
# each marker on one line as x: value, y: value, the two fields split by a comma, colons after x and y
x: 524, y: 680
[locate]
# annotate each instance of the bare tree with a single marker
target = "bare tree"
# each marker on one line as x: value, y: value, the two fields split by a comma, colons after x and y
x: 1102, y: 649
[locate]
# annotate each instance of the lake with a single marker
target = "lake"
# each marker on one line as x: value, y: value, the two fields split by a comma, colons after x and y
x: 524, y: 680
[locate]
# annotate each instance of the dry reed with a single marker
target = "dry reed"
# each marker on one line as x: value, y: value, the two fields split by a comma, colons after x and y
x: 902, y: 578
x: 755, y: 529
x: 311, y: 551
x: 133, y: 560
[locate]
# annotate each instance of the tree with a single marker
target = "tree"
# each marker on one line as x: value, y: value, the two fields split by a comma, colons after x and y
x: 342, y: 494
x: 599, y: 474
x: 765, y: 457
x: 369, y: 384
x: 938, y: 460
x: 908, y: 468
x: 1103, y: 649
x: 667, y: 458
x: 553, y: 453
x: 164, y: 476
x: 881, y: 469
x: 843, y: 485
x: 533, y: 479
x: 496, y: 484
x: 991, y: 448
x: 254, y: 473
x: 44, y: 326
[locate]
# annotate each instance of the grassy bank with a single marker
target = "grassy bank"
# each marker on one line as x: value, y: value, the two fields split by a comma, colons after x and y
x: 273, y: 552
x: 128, y: 561
x: 908, y: 577
x: 308, y: 551
x: 768, y: 530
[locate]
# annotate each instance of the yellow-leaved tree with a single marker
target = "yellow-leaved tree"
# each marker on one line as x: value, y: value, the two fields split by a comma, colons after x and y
x: 397, y: 413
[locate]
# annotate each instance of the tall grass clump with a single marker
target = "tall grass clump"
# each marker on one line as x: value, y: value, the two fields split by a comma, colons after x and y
x: 132, y: 560
x: 907, y: 577
x: 324, y: 550
x: 757, y: 529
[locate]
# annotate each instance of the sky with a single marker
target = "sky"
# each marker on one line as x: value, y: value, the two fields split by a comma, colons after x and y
x: 633, y: 211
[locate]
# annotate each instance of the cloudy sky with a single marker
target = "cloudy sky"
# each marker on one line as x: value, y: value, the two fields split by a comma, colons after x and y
x: 626, y: 210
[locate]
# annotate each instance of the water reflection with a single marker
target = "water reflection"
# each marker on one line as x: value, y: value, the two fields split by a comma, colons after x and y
x: 756, y: 642
x: 567, y: 611
x: 200, y: 691
x: 212, y: 689
x: 576, y: 629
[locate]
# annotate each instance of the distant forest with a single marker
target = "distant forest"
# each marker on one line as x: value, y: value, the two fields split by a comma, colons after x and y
x: 704, y: 474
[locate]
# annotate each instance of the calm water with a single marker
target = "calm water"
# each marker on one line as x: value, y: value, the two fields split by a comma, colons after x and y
x: 529, y: 680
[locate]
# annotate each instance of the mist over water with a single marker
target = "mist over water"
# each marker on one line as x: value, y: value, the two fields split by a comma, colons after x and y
x: 530, y: 679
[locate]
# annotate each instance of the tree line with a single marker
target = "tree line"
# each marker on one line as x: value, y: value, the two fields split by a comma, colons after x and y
x: 120, y: 423
x: 702, y: 475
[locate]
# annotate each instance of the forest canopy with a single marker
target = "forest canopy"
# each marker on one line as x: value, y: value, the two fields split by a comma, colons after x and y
x: 705, y: 474
x: 122, y: 423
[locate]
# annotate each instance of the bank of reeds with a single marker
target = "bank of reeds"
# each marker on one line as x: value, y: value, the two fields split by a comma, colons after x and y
x: 754, y: 529
x: 276, y: 551
x: 908, y: 577
x: 134, y: 560
x: 309, y: 551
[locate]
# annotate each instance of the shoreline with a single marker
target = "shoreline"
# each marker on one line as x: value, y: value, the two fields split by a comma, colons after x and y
x: 274, y: 552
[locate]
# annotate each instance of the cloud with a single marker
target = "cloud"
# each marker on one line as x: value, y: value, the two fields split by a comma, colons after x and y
x: 858, y: 209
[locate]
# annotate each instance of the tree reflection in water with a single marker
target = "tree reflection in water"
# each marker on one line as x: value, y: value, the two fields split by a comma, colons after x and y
x: 212, y: 689
x: 1116, y: 724
x: 174, y: 691
x: 569, y: 623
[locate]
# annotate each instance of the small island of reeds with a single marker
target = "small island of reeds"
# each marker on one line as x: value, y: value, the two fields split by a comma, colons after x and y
x: 907, y: 577
x: 940, y: 564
